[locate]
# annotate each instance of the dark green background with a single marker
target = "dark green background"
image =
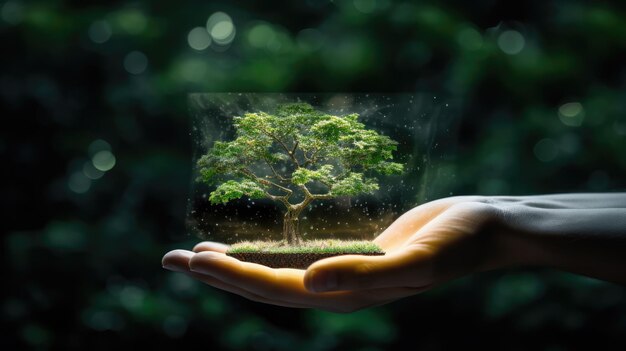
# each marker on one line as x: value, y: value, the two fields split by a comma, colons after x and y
x: 83, y: 269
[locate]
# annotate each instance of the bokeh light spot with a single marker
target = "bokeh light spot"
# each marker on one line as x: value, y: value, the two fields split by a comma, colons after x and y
x: 512, y: 292
x: 182, y: 285
x: 569, y: 144
x: 79, y: 183
x: 103, y: 320
x: 135, y: 62
x: 349, y: 55
x: 133, y: 21
x: 546, y: 150
x: 192, y: 70
x: 100, y: 32
x: 310, y: 39
x: 620, y: 128
x: 12, y: 12
x: 92, y: 172
x: 65, y: 236
x: 198, y: 38
x: 221, y: 28
x: 572, y: 114
x: 511, y: 42
x: 260, y: 35
x: 216, y: 18
x: 132, y: 297
x: 365, y: 6
x: 470, y: 39
x: 103, y: 160
x: 98, y: 145
x: 275, y: 45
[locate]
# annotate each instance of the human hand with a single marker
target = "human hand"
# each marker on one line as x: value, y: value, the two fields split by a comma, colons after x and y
x: 425, y: 247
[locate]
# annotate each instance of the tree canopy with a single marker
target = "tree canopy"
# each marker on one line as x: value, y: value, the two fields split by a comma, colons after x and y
x: 297, y: 149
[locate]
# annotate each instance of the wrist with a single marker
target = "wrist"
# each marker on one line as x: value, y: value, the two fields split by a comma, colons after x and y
x: 572, y: 233
x: 515, y: 241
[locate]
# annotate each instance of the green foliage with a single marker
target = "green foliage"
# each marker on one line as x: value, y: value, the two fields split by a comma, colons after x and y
x: 354, y: 184
x: 388, y: 167
x: 231, y: 190
x: 302, y: 176
x: 337, y: 153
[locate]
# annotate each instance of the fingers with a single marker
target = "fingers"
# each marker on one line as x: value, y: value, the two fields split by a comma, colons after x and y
x: 283, y: 285
x: 178, y: 261
x: 409, y: 268
x: 210, y: 246
x: 233, y: 276
x: 249, y: 276
x: 241, y: 292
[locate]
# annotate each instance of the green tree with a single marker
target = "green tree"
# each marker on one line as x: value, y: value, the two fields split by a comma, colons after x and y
x: 296, y: 156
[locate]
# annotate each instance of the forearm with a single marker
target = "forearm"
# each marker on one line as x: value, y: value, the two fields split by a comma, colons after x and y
x: 578, y: 200
x: 580, y: 233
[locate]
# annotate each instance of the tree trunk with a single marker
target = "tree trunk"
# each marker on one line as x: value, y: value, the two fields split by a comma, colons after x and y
x: 291, y: 232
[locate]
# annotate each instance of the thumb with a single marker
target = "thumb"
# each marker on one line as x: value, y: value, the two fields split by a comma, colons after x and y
x: 409, y: 267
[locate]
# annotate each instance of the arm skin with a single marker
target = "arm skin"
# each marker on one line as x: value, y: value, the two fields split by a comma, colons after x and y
x: 432, y: 244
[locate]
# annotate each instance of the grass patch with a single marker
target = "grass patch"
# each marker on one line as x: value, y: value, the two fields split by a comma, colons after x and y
x: 328, y: 246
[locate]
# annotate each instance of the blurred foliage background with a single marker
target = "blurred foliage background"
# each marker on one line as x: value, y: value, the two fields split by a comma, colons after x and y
x: 97, y: 158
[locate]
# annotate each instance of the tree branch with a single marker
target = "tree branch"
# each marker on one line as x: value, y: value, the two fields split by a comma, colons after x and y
x: 311, y: 160
x: 283, y: 199
x: 295, y: 146
x: 253, y: 176
x: 307, y: 193
x: 307, y: 161
x: 280, y: 177
x: 308, y: 198
x: 322, y: 196
x: 284, y: 146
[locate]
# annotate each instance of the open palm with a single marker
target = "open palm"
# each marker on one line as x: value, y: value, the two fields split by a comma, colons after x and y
x: 426, y: 246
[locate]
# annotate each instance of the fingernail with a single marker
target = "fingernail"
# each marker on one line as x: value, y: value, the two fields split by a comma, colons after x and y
x: 325, y: 281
